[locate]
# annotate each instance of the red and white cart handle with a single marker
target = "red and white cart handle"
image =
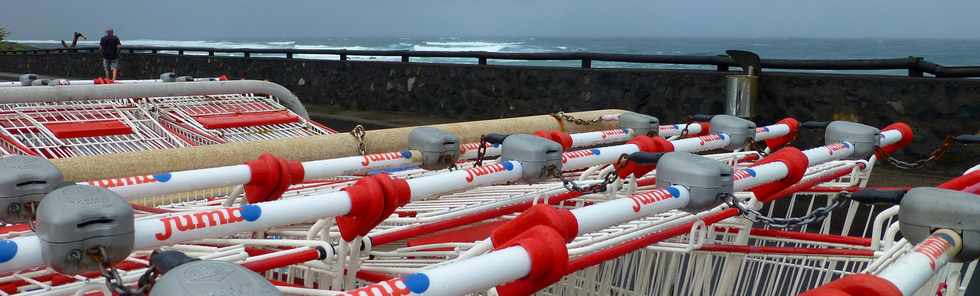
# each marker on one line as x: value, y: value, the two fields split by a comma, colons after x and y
x: 458, y: 278
x: 903, y: 277
x: 190, y: 180
x: 581, y: 159
x: 183, y: 181
x: 24, y: 252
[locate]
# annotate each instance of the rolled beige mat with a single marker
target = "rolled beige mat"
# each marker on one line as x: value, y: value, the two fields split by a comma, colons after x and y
x: 85, y: 168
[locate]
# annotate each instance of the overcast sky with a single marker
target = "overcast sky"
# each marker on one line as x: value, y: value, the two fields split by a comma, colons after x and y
x: 285, y: 20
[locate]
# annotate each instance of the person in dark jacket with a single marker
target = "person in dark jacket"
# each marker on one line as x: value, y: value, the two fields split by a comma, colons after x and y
x: 110, y: 45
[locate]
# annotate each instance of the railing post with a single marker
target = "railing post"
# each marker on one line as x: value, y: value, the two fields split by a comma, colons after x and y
x: 343, y: 57
x: 153, y: 51
x: 913, y: 66
x: 289, y: 55
x: 722, y: 68
x: 404, y: 58
x: 180, y: 52
x: 586, y: 63
x: 247, y: 54
x: 210, y: 52
x: 483, y: 60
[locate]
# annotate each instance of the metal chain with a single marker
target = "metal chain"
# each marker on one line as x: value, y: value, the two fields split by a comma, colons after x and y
x: 594, y: 188
x: 481, y: 151
x: 816, y: 215
x: 685, y: 131
x: 114, y: 281
x: 609, y: 178
x: 936, y: 154
x: 560, y: 115
x: 358, y: 133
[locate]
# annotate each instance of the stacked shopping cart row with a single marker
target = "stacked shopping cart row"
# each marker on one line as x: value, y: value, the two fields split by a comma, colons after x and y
x: 292, y: 238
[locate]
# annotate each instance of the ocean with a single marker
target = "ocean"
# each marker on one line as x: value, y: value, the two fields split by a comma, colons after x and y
x: 946, y: 52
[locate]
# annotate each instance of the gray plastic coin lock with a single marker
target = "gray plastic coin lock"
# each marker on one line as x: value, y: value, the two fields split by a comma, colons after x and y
x: 864, y: 138
x: 27, y: 79
x: 168, y: 77
x: 926, y: 209
x: 704, y: 178
x: 641, y: 124
x: 742, y: 131
x: 208, y: 277
x: 24, y: 181
x: 439, y: 149
x: 540, y: 158
x: 74, y: 221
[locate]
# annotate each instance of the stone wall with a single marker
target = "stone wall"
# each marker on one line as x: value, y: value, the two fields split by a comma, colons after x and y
x: 934, y: 107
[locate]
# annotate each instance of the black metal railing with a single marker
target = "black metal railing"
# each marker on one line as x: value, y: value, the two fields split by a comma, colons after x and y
x: 916, y: 66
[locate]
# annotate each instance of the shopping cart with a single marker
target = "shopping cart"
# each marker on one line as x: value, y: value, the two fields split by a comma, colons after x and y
x: 414, y: 238
x: 59, y: 130
x: 204, y: 120
x: 352, y: 263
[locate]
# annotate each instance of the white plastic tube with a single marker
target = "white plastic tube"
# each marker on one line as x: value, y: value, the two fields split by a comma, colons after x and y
x: 771, y: 131
x: 175, y: 228
x: 913, y: 269
x: 671, y: 130
x: 599, y: 216
x: 601, y: 137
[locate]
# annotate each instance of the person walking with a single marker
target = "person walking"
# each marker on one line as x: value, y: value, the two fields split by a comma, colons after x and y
x: 109, y: 45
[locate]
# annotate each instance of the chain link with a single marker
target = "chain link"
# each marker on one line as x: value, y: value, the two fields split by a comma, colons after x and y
x: 114, y: 281
x: 936, y: 154
x: 607, y: 179
x: 481, y: 151
x: 816, y: 215
x: 685, y: 131
x: 358, y: 133
x: 560, y: 115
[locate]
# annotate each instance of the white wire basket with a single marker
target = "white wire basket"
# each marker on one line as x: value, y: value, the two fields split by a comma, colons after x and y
x: 204, y: 120
x: 59, y: 130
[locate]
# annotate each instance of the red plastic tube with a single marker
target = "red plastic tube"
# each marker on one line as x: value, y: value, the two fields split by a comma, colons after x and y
x: 814, y: 237
x: 856, y: 284
x: 264, y: 265
x: 787, y: 250
x: 423, y: 229
x: 962, y: 182
x: 806, y: 185
x: 633, y: 245
x: 794, y: 128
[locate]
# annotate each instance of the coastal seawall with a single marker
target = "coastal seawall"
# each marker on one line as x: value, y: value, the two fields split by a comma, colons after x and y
x: 935, y: 107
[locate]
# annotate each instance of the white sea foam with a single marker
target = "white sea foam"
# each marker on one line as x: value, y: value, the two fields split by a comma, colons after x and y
x: 468, y: 46
x: 307, y: 46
